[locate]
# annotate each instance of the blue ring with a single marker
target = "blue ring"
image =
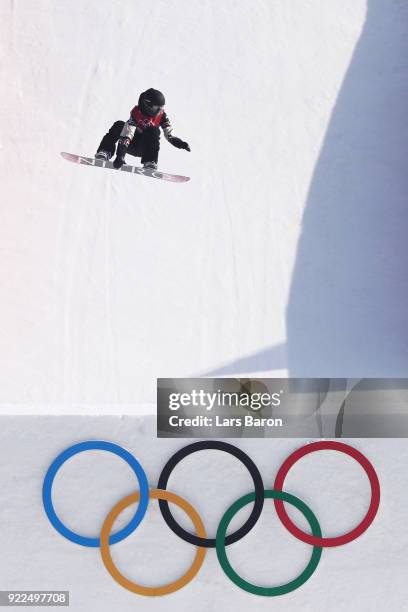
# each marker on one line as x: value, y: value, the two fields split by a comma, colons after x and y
x: 79, y: 448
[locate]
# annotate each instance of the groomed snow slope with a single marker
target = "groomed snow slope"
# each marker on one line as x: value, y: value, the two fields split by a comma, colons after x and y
x: 284, y: 254
x: 296, y: 114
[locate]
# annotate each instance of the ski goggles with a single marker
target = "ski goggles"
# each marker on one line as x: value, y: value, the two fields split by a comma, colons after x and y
x: 154, y: 109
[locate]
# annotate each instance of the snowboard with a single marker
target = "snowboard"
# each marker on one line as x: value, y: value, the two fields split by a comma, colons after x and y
x: 91, y: 161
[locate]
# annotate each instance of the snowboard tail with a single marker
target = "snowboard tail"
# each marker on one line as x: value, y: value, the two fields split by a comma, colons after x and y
x: 100, y: 163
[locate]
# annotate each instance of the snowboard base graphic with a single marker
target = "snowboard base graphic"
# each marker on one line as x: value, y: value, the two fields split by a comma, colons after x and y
x: 91, y: 161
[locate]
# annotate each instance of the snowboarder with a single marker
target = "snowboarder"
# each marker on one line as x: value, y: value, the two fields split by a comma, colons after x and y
x: 140, y: 134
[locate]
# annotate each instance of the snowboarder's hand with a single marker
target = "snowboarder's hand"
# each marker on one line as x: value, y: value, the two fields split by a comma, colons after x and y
x: 123, y: 144
x: 179, y: 144
x: 118, y: 162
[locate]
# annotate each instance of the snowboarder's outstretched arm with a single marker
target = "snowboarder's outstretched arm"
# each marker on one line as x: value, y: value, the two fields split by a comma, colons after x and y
x: 167, y: 130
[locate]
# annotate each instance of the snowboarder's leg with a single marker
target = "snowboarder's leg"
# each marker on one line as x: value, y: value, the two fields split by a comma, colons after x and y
x: 151, y: 146
x: 108, y: 142
x: 136, y: 146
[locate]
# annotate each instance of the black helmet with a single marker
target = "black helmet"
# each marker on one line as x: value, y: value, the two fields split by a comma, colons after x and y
x: 151, y: 102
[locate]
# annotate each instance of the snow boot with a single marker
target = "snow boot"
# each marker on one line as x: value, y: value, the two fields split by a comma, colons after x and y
x: 103, y: 155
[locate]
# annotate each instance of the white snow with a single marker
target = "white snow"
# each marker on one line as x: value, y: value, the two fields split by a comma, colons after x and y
x: 284, y: 255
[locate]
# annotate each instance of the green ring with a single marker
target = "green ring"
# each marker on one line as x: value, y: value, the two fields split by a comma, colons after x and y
x: 252, y: 588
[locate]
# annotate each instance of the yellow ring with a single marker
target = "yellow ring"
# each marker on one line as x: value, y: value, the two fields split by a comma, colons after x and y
x: 133, y: 586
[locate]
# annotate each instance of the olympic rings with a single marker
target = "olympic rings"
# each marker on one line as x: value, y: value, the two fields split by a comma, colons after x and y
x: 375, y: 493
x: 252, y: 469
x: 132, y: 586
x: 252, y: 588
x: 79, y: 448
x: 200, y: 539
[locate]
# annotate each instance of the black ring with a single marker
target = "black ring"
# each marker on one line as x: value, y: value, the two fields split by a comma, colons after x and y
x: 255, y: 475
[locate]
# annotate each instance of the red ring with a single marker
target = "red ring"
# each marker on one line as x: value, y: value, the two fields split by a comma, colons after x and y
x: 375, y: 493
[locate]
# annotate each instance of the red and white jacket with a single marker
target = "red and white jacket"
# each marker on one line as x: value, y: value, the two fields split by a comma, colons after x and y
x: 138, y: 122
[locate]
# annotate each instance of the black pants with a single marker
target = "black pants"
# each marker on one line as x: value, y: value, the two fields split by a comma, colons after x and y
x: 145, y: 145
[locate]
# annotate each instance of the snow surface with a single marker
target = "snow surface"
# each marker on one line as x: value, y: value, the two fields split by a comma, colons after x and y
x: 284, y: 254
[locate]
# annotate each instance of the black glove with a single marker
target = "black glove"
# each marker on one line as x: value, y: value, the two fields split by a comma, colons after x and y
x: 178, y: 143
x: 121, y: 152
